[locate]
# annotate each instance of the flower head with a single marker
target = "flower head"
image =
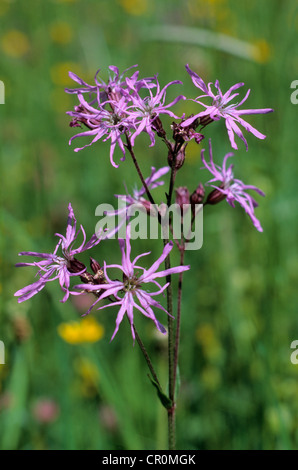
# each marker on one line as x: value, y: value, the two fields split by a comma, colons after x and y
x: 144, y: 111
x: 116, y: 86
x: 102, y: 122
x: 115, y: 109
x: 222, y: 107
x: 53, y: 266
x: 105, y: 114
x: 131, y: 292
x: 230, y: 188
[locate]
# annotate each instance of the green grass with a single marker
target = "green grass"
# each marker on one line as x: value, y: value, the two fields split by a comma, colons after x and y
x: 238, y: 387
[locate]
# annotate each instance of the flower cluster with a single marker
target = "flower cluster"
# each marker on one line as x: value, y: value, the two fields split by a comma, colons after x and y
x: 117, y: 109
x: 129, y: 293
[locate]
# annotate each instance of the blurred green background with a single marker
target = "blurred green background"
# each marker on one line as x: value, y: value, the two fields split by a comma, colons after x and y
x: 63, y: 384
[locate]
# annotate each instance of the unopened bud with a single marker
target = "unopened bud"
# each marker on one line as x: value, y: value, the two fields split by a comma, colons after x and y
x: 197, y: 196
x: 94, y: 265
x: 179, y: 160
x: 182, y: 197
x: 98, y: 277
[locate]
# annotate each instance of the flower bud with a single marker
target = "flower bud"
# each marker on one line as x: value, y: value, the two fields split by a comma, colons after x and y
x: 179, y: 160
x: 197, y: 196
x: 94, y: 265
x: 98, y: 277
x: 182, y: 197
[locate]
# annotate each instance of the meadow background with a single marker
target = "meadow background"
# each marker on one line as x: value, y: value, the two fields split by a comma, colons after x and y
x: 63, y: 384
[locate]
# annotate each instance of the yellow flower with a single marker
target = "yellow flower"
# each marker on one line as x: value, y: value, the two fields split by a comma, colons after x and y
x: 87, y: 330
x: 15, y: 43
x: 61, y: 32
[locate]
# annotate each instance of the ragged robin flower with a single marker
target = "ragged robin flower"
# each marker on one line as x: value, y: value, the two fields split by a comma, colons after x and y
x: 53, y: 266
x: 105, y: 112
x: 229, y: 188
x: 116, y: 110
x: 221, y: 107
x: 132, y: 291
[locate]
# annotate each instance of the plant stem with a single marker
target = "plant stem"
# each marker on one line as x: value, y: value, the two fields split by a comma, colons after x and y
x: 172, y: 359
x: 171, y: 340
x: 178, y: 320
x: 171, y: 344
x: 130, y: 149
x: 146, y: 356
x: 173, y: 173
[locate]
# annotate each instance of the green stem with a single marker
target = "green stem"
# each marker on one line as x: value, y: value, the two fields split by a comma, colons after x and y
x: 171, y: 345
x: 171, y: 339
x: 146, y: 356
x: 178, y: 320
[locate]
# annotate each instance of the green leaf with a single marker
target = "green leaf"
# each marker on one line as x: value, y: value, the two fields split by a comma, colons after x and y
x: 164, y: 399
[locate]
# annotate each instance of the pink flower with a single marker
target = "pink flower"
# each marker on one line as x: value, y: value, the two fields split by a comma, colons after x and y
x: 221, y: 107
x: 145, y: 110
x: 107, y: 123
x: 52, y: 266
x: 131, y: 292
x: 106, y: 114
x: 230, y: 188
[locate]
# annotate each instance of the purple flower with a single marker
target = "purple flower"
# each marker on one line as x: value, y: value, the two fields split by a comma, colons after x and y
x: 110, y: 123
x: 146, y: 110
x: 115, y: 87
x: 106, y: 115
x: 230, y: 188
x: 132, y: 291
x: 221, y: 108
x: 52, y: 266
